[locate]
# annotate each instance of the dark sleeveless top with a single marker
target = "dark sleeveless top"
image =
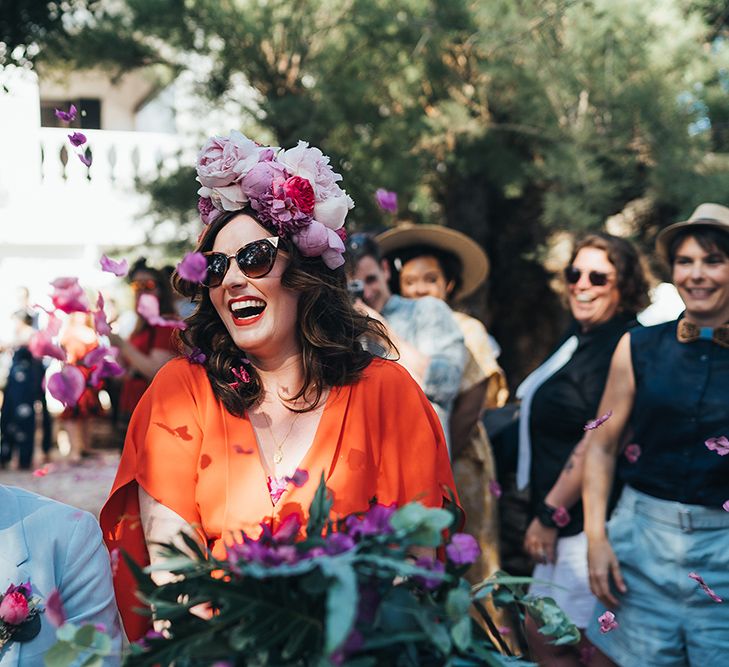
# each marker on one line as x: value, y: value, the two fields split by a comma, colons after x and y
x: 681, y: 399
x: 565, y: 403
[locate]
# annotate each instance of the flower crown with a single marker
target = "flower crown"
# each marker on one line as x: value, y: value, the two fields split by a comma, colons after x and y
x: 294, y: 192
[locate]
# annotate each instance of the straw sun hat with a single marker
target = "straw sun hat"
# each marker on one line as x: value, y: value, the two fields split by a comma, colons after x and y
x: 705, y: 215
x: 474, y: 262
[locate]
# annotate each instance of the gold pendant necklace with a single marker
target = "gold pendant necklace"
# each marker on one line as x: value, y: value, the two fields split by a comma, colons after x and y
x: 278, y: 446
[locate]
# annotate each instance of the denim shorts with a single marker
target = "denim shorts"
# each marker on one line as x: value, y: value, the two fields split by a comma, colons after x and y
x: 666, y: 619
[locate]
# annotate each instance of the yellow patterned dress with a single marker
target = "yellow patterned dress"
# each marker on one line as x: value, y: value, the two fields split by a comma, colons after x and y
x: 473, y: 468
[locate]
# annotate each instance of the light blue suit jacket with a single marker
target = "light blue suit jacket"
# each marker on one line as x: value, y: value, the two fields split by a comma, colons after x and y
x: 55, y: 546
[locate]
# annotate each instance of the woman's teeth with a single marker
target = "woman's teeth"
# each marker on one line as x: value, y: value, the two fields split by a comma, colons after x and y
x: 584, y: 298
x: 249, y: 308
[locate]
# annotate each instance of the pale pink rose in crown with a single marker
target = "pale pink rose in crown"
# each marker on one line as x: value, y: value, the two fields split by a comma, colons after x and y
x: 14, y: 608
x: 228, y: 198
x: 332, y: 212
x: 223, y: 160
x: 260, y: 178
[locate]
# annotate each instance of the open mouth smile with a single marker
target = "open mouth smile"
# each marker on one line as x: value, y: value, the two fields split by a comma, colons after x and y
x: 246, y: 310
x: 584, y: 298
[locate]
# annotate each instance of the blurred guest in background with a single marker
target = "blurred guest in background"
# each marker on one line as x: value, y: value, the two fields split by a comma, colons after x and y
x: 606, y: 288
x: 424, y: 331
x: 434, y: 261
x: 78, y: 338
x: 24, y: 387
x: 665, y: 547
x: 150, y: 346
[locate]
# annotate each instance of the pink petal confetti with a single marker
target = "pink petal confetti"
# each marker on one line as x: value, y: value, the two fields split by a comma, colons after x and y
x: 239, y: 449
x: 41, y: 472
x: 100, y: 324
x: 561, y: 517
x: 386, y: 200
x: 242, y: 374
x: 148, y: 308
x: 495, y: 489
x: 55, y: 612
x: 193, y: 267
x: 276, y: 488
x: 41, y: 345
x: 67, y: 385
x: 119, y: 269
x: 196, y: 356
x: 114, y: 560
x: 504, y: 630
x: 719, y: 445
x: 700, y: 580
x: 299, y: 478
x: 66, y: 116
x: 632, y: 453
x: 725, y: 506
x: 68, y: 296
x: 592, y: 425
x: 607, y: 622
x: 77, y: 139
x: 87, y: 160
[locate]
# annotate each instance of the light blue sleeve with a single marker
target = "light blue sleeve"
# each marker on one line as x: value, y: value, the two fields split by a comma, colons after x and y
x: 438, y: 335
x: 86, y: 587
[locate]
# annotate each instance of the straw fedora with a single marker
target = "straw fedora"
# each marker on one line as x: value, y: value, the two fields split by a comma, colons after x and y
x: 705, y: 215
x: 474, y: 262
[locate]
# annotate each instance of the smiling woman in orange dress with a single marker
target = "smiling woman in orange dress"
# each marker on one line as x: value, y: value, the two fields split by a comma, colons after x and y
x: 278, y: 380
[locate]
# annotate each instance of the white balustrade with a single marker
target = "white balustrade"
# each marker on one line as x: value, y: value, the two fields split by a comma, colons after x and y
x: 119, y: 158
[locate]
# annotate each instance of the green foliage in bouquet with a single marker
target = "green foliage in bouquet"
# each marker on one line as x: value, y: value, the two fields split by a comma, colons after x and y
x: 351, y: 592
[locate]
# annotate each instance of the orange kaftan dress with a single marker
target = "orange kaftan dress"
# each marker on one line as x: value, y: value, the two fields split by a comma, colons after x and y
x: 378, y: 438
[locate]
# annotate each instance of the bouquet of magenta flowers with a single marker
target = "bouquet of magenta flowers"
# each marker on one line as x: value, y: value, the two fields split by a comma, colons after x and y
x: 351, y: 592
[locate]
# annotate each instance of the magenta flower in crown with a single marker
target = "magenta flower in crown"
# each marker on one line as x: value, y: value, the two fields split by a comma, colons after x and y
x: 294, y: 192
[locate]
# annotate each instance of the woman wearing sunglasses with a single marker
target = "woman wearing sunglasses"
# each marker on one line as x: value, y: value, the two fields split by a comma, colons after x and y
x: 661, y: 564
x: 277, y: 381
x: 606, y: 288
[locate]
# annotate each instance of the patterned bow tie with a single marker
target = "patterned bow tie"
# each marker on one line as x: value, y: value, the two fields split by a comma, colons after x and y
x: 688, y: 332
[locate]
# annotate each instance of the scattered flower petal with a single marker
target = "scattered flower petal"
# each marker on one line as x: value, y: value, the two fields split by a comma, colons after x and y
x: 41, y: 472
x: 299, y: 478
x: 66, y: 116
x: 239, y: 449
x: 77, y: 139
x: 119, y: 269
x: 495, y: 489
x: 67, y: 385
x: 700, y: 580
x: 196, y: 356
x: 607, y: 622
x: 87, y: 160
x: 276, y: 487
x: 54, y: 609
x: 463, y: 549
x: 725, y: 506
x: 100, y: 324
x: 632, y: 453
x: 242, y: 375
x: 561, y: 517
x: 592, y: 425
x: 719, y: 445
x: 68, y: 296
x: 148, y: 308
x: 386, y: 200
x: 41, y: 345
x: 193, y: 267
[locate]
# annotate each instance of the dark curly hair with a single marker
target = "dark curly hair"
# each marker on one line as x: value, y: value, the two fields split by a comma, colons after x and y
x: 449, y: 264
x: 632, y: 283
x: 330, y: 330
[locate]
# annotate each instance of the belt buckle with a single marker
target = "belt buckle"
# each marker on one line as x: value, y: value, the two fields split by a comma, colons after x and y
x: 684, y: 521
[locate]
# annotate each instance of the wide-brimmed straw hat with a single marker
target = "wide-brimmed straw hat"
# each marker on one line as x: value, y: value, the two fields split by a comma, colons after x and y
x: 474, y: 262
x: 705, y: 215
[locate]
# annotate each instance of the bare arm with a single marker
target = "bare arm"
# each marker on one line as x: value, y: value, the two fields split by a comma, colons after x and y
x: 601, y: 452
x: 144, y: 364
x: 466, y: 412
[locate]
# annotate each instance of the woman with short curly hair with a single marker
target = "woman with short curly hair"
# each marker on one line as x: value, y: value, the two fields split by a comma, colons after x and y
x: 276, y: 381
